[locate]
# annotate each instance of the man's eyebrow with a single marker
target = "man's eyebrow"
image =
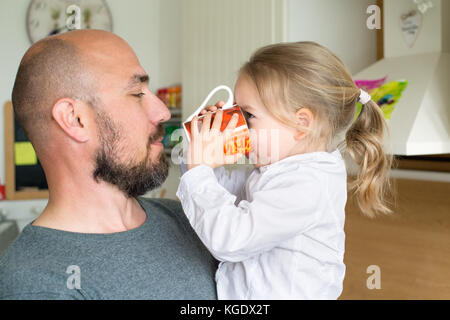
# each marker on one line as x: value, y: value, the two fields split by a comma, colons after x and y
x: 137, y: 79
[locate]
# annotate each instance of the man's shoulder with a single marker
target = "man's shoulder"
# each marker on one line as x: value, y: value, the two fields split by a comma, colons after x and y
x: 26, y: 274
x: 171, y: 210
x: 20, y: 251
x: 165, y: 207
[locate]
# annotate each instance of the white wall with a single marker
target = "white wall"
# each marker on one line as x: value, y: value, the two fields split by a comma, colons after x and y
x: 169, y: 43
x: 339, y: 25
x: 151, y: 27
x: 15, y: 42
x: 214, y: 49
x: 138, y: 22
x: 430, y: 35
x: 445, y: 18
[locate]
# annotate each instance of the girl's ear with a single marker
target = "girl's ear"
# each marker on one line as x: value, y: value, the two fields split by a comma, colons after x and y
x: 305, y: 120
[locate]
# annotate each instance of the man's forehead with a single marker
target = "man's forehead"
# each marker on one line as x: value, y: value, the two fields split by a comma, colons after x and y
x: 111, y: 58
x: 119, y: 58
x: 125, y: 71
x: 111, y: 53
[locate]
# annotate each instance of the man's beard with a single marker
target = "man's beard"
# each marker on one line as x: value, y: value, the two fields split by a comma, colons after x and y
x: 133, y: 179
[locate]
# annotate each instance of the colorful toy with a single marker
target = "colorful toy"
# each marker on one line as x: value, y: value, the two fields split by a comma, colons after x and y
x: 386, y: 96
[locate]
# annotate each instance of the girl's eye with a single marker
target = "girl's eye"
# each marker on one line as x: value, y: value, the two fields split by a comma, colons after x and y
x: 248, y: 115
x: 139, y: 95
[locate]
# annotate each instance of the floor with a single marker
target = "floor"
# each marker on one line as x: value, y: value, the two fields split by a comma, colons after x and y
x: 411, y: 247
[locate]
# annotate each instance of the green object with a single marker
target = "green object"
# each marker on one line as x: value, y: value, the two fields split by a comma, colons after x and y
x: 386, y: 97
x: 24, y: 154
x: 168, y: 141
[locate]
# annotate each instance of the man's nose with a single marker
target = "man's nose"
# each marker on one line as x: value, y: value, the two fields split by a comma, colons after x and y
x: 158, y: 110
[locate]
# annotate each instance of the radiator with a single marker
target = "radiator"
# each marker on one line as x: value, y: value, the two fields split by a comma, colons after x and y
x: 218, y: 37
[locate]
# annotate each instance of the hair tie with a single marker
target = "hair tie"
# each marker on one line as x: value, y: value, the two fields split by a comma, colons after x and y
x: 364, y: 97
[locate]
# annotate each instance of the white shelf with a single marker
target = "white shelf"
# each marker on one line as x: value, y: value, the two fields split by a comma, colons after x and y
x: 175, y: 112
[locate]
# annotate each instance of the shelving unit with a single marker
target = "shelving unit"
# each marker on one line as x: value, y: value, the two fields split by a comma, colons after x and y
x: 175, y: 121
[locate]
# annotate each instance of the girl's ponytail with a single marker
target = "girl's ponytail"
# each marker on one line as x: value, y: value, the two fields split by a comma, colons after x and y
x: 364, y: 142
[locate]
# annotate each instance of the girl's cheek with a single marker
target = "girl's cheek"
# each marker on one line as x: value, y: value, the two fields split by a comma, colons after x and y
x: 264, y: 148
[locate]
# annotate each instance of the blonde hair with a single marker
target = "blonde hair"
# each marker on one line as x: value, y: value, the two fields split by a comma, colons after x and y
x: 291, y: 76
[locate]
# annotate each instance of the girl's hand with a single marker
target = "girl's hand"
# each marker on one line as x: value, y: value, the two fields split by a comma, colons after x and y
x: 207, y: 145
x: 214, y: 108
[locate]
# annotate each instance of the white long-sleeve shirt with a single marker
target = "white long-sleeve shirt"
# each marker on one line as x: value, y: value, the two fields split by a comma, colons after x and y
x: 277, y: 230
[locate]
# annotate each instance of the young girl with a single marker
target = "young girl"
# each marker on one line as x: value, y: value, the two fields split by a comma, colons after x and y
x: 278, y: 229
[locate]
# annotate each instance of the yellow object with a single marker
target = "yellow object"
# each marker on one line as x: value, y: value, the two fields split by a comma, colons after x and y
x: 178, y: 96
x: 172, y: 97
x: 24, y: 154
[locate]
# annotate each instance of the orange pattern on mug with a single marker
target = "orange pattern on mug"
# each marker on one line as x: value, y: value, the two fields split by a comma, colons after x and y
x: 239, y: 142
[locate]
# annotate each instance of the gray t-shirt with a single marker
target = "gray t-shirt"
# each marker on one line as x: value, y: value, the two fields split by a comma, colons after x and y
x: 161, y: 259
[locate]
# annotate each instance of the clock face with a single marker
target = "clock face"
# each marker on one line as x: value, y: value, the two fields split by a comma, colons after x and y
x: 49, y: 17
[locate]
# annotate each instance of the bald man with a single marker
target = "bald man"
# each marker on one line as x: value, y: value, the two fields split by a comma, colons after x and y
x: 82, y: 98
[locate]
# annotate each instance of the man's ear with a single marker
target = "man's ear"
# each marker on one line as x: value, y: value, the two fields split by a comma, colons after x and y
x: 305, y: 119
x: 71, y: 117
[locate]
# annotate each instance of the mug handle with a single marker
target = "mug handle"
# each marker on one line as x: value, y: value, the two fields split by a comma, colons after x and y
x: 227, y: 105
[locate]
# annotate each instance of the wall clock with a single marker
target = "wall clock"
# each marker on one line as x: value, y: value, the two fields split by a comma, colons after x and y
x: 49, y: 17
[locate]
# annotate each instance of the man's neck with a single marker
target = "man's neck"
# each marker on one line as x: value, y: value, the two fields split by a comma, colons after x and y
x: 90, y: 207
